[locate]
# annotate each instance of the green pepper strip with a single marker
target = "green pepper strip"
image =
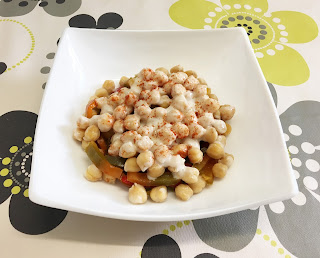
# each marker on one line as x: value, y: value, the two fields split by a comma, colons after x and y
x: 100, y: 162
x: 141, y: 178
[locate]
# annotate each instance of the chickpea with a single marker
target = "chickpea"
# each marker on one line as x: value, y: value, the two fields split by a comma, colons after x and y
x: 144, y: 143
x: 108, y: 179
x: 84, y: 144
x: 200, y: 90
x: 120, y: 112
x: 178, y: 77
x: 177, y: 68
x: 158, y: 112
x: 190, y: 117
x: 123, y: 92
x: 129, y: 136
x: 217, y: 115
x: 145, y: 130
x: 227, y: 112
x: 180, y: 149
x: 162, y: 69
x: 202, y: 81
x: 124, y: 81
x: 196, y: 131
x: 114, y: 99
x: 155, y: 170
x: 101, y: 102
x: 131, y: 122
x: 190, y: 175
x: 183, y: 192
x: 161, y: 77
x: 94, y: 120
x: 131, y: 165
x: 180, y: 102
x: 219, y: 170
x: 213, y: 96
x: 191, y: 83
x: 211, y: 135
x: 92, y: 133
x: 161, y: 153
x: 114, y: 148
x: 222, y: 140
x: 102, y: 92
x: 130, y: 99
x: 191, y: 72
x: 131, y: 82
x: 145, y: 160
x: 137, y: 194
x: 115, y: 137
x: 150, y: 85
x: 215, y: 151
x: 143, y: 111
x: 162, y: 91
x: 106, y: 109
x: 198, y: 186
x: 78, y: 134
x: 83, y: 122
x: 159, y: 194
x: 174, y: 116
x: 93, y: 174
x: 178, y: 89
x: 128, y: 150
x: 153, y: 97
x: 206, y: 120
x: 181, y: 130
x: 227, y: 160
x: 195, y: 155
x: 229, y: 129
x: 118, y: 126
x: 147, y: 74
x: 109, y: 86
x: 105, y: 122
x: 168, y: 86
x: 166, y: 135
x: 165, y: 101
x: 210, y: 105
x: 220, y: 125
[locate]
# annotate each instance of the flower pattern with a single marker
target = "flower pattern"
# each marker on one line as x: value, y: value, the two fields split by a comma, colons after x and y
x: 58, y: 8
x: 3, y: 67
x: 268, y: 33
x: 16, y: 137
x: 301, y: 124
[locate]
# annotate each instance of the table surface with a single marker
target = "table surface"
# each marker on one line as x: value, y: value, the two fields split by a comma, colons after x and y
x: 284, y: 35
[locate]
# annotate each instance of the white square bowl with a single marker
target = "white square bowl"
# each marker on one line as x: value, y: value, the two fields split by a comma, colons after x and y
x: 261, y: 172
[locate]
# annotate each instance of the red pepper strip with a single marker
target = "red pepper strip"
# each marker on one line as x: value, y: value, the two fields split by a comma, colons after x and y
x: 100, y: 162
x: 89, y: 109
x: 102, y: 145
x: 141, y: 178
x: 124, y: 180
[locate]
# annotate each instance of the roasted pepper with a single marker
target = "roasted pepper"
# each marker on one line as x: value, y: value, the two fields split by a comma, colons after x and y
x: 99, y: 160
x: 115, y: 160
x: 124, y: 180
x: 102, y: 145
x: 89, y: 110
x: 141, y: 178
x: 205, y: 168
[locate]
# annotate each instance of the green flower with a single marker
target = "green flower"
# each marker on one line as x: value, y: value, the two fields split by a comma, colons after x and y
x: 268, y: 33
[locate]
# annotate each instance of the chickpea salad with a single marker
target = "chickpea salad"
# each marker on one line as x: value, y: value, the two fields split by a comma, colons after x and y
x: 156, y: 131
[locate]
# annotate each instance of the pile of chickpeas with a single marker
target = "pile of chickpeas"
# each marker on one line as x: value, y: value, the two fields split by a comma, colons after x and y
x: 159, y: 119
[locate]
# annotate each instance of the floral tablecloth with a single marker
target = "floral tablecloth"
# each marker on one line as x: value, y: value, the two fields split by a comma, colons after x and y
x: 284, y: 35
